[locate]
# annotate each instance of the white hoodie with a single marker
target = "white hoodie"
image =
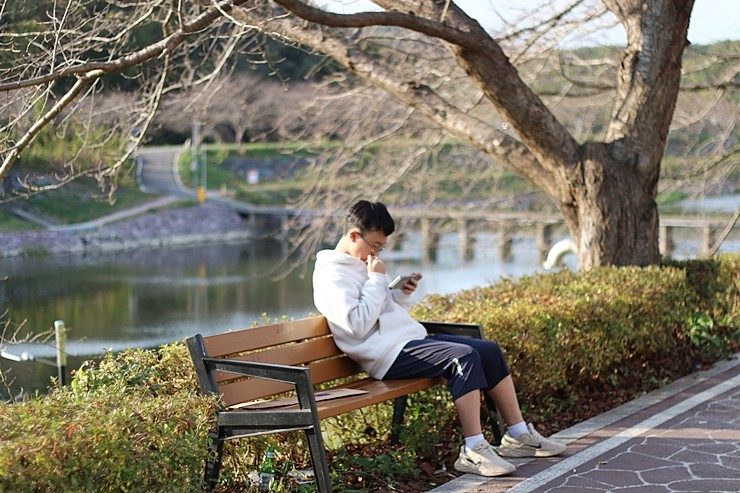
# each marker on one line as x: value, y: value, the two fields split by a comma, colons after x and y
x: 370, y: 322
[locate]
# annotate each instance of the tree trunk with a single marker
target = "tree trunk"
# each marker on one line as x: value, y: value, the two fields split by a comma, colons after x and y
x: 613, y: 217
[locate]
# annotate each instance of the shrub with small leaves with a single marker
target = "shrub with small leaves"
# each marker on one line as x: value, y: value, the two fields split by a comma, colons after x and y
x: 123, y: 426
x: 598, y: 330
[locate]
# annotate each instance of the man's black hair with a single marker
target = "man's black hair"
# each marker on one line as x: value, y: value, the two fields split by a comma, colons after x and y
x: 370, y: 216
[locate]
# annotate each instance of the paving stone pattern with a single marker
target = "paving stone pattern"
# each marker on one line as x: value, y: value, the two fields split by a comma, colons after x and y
x: 684, y: 438
x: 688, y: 454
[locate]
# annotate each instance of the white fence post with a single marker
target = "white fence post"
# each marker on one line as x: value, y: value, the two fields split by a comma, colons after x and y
x: 60, y: 333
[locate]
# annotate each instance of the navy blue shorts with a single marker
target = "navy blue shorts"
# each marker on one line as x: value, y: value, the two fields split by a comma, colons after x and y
x: 467, y: 364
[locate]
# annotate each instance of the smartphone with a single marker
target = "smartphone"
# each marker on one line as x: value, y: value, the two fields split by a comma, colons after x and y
x: 399, y: 281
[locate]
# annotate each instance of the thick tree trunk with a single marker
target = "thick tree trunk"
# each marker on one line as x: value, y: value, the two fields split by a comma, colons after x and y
x: 613, y: 217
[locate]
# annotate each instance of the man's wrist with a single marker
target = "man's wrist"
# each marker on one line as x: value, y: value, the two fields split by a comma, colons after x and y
x: 378, y: 276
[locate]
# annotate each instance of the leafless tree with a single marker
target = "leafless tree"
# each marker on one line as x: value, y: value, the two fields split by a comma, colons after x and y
x: 56, y: 62
x: 235, y: 108
x: 429, y: 55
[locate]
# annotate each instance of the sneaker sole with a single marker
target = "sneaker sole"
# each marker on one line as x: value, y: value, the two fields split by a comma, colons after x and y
x: 521, y: 453
x: 502, y: 472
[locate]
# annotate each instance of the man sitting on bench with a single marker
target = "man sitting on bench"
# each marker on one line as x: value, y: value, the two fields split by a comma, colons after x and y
x: 372, y: 325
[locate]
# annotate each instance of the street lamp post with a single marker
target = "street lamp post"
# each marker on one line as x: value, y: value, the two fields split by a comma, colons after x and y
x: 203, y: 182
x: 198, y: 169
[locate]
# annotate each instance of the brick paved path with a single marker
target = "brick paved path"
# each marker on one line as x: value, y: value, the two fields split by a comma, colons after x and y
x: 685, y: 440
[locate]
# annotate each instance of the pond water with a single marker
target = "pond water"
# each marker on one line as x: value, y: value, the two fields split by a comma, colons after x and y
x: 149, y: 297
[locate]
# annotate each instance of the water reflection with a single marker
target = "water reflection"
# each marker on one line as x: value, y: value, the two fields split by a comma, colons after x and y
x: 142, y: 299
x: 149, y: 297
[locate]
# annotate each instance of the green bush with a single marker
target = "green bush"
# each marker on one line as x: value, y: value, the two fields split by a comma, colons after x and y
x: 717, y: 283
x: 571, y: 336
x: 133, y: 424
x: 60, y: 145
x: 577, y: 344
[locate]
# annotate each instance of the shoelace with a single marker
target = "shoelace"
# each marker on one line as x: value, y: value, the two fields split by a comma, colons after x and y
x: 488, y: 452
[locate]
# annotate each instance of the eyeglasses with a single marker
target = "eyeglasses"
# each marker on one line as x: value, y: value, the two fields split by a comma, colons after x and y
x: 376, y: 249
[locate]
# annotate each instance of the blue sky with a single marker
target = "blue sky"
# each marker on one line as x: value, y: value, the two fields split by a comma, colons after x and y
x: 711, y: 20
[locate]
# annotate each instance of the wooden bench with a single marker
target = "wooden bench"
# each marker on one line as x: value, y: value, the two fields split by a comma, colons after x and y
x: 294, y: 356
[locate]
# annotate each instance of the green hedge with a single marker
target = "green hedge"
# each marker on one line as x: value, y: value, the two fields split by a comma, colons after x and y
x: 577, y: 343
x: 133, y: 423
x: 570, y: 336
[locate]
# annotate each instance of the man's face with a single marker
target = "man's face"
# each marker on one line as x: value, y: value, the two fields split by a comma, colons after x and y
x: 364, y: 244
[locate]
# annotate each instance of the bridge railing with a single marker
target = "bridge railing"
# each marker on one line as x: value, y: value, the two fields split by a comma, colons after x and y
x: 431, y: 223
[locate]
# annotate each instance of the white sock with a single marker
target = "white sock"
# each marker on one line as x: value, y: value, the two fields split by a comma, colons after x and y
x: 471, y: 442
x: 517, y: 430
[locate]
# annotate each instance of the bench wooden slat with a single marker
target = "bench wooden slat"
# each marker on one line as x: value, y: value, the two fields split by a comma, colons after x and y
x: 334, y: 369
x: 250, y: 389
x: 228, y: 343
x: 378, y: 391
x: 292, y: 354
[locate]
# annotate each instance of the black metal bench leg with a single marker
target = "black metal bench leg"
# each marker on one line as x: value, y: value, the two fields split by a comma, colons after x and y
x: 318, y: 459
x: 399, y: 409
x: 213, y: 461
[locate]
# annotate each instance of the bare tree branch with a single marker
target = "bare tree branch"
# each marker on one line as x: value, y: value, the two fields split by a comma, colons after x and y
x: 591, y: 138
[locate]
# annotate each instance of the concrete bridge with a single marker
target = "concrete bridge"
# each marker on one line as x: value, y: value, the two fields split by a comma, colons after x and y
x: 431, y: 223
x: 158, y: 174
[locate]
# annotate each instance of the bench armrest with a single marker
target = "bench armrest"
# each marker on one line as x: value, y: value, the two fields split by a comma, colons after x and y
x: 269, y: 371
x: 474, y: 331
x: 298, y: 376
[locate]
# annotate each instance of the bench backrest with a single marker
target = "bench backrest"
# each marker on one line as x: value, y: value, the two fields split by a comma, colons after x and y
x: 304, y: 342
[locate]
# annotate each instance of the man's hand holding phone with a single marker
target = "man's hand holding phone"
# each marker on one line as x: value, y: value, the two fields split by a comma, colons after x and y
x: 407, y: 283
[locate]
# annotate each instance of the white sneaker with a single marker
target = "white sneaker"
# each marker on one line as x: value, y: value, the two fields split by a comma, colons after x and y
x: 530, y: 444
x: 482, y: 460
